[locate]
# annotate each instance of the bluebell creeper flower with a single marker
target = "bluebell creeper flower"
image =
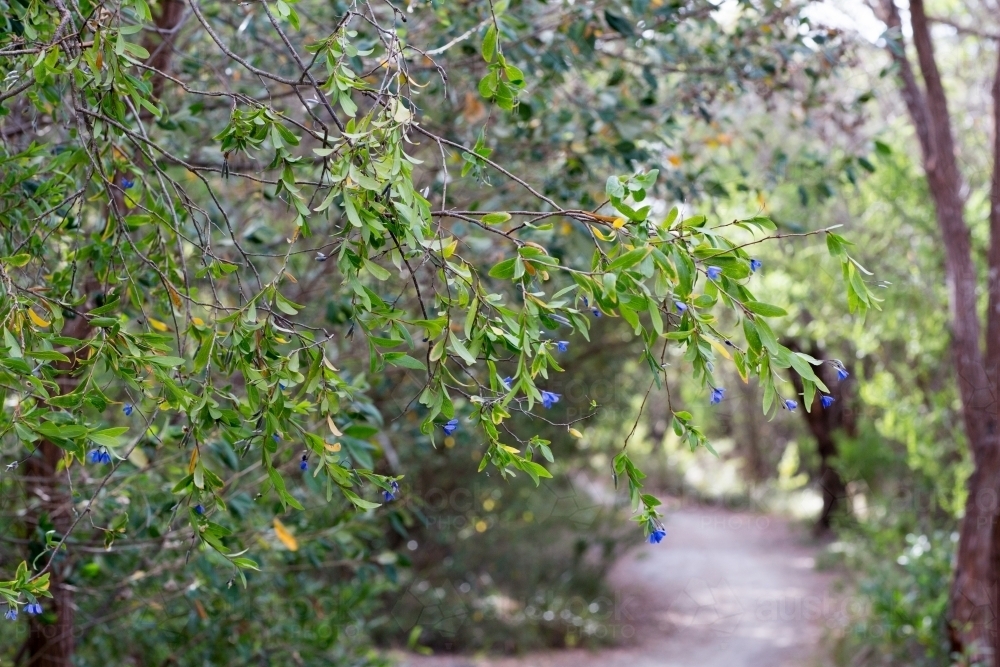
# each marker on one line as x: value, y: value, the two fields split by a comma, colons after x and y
x: 562, y: 345
x: 755, y: 264
x: 681, y: 307
x: 389, y: 496
x: 657, y: 536
x: 826, y: 400
x: 713, y: 272
x: 790, y: 404
x: 718, y: 393
x: 127, y: 409
x: 33, y: 608
x: 99, y: 455
x: 549, y: 399
x: 127, y: 182
x: 11, y: 614
x: 450, y: 426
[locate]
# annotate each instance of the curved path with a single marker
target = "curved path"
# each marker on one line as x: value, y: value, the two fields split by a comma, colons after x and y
x: 724, y: 589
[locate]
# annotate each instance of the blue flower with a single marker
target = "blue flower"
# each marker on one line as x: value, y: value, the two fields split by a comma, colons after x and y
x: 842, y: 373
x: 99, y: 455
x: 561, y: 320
x: 586, y: 304
x: 199, y: 509
x: 276, y: 437
x: 657, y: 536
x: 127, y: 182
x: 450, y: 426
x: 826, y: 400
x: 389, y: 496
x: 127, y: 409
x: 713, y: 272
x: 562, y: 345
x: 596, y: 312
x: 549, y: 399
x: 33, y: 608
x: 755, y: 264
x: 790, y: 404
x: 11, y: 614
x: 718, y: 393
x: 507, y: 382
x: 304, y: 463
x: 680, y: 306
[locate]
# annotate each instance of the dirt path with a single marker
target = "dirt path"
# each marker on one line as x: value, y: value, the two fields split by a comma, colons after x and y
x: 723, y: 589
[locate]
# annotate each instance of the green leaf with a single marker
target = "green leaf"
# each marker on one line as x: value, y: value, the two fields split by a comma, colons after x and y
x: 490, y: 43
x: 629, y: 259
x: 495, y: 218
x: 504, y: 270
x: 16, y: 261
x: 404, y: 361
x: 618, y: 24
x: 166, y: 362
x: 107, y: 437
x: 765, y: 309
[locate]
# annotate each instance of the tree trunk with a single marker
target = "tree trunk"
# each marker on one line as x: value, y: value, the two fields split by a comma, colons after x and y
x: 824, y: 423
x: 50, y: 640
x: 973, y: 598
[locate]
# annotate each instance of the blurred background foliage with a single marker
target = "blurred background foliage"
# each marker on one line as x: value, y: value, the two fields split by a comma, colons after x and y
x: 753, y: 106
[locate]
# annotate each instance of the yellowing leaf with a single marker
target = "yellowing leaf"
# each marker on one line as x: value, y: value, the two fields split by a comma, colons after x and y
x: 284, y: 536
x: 618, y: 223
x: 175, y: 298
x: 37, y: 319
x: 193, y: 462
x: 333, y: 427
x: 157, y: 324
x: 198, y: 322
x: 720, y: 348
x: 335, y: 447
x: 599, y: 234
x: 576, y: 434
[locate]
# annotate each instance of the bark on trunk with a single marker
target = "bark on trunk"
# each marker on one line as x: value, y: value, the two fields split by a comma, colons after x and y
x: 973, y: 599
x: 824, y: 424
x: 51, y: 637
x: 50, y: 640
